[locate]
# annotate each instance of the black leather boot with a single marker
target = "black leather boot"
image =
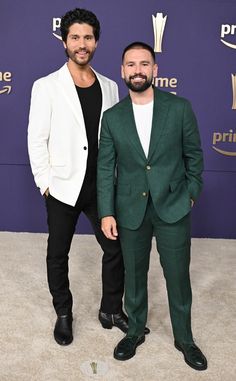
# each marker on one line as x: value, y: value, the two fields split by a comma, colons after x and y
x: 63, y: 330
x: 119, y: 320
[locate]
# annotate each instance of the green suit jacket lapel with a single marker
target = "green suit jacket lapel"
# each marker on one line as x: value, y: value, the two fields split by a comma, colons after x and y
x: 160, y: 112
x: 130, y: 127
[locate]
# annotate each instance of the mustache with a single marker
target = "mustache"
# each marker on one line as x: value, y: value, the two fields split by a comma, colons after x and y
x: 81, y: 50
x: 139, y: 75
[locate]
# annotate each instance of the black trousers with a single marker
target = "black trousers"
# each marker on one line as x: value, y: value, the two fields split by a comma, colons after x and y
x: 62, y: 220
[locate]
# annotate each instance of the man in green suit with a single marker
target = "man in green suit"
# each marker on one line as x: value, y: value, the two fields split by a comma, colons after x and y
x: 149, y: 176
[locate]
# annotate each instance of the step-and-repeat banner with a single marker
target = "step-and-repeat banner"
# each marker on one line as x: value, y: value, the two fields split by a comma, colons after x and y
x: 195, y: 45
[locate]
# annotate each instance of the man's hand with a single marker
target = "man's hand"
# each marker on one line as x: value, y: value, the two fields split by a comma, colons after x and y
x: 192, y: 203
x: 108, y: 226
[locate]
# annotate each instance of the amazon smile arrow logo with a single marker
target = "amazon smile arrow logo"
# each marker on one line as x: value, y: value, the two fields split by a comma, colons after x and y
x: 226, y: 30
x: 56, y: 23
x: 56, y: 35
x: 222, y: 152
x: 224, y: 137
x: 232, y: 46
x: 6, y: 89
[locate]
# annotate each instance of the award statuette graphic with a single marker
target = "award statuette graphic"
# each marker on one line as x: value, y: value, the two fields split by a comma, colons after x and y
x: 94, y: 369
x: 233, y: 76
x: 159, y: 23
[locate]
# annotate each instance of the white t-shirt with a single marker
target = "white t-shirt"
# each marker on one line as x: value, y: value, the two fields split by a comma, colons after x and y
x: 143, y: 120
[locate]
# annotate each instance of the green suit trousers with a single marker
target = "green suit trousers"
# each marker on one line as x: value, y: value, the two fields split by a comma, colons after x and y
x: 173, y: 244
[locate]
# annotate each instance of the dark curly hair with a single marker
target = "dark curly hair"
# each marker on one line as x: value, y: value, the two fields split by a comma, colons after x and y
x: 81, y: 16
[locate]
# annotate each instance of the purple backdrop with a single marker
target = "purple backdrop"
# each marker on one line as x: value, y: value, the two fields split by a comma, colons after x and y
x: 196, y: 52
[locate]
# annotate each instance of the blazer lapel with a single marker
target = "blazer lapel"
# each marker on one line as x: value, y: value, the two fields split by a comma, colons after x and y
x: 130, y: 129
x: 105, y: 94
x: 70, y: 94
x: 160, y: 112
x: 106, y: 97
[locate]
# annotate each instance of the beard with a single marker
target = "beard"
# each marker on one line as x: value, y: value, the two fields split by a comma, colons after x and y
x: 141, y: 86
x: 79, y: 60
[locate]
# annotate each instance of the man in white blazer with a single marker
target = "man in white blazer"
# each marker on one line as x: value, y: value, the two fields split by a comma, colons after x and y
x: 64, y: 125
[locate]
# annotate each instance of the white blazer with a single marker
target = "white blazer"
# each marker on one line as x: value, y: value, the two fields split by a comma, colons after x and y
x: 57, y: 140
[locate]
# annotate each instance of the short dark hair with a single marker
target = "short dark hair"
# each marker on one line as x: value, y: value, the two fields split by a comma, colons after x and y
x: 141, y: 45
x: 81, y: 16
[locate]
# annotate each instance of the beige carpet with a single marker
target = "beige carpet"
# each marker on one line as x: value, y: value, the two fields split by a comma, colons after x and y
x: 27, y: 348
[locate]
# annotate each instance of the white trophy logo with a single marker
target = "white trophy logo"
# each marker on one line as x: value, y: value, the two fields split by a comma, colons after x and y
x: 159, y: 23
x: 233, y: 76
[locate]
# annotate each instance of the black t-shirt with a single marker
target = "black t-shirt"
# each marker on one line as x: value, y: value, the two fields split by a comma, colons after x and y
x: 91, y: 103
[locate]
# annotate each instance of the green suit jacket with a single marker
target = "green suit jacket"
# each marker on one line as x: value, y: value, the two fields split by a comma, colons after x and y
x: 171, y: 173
